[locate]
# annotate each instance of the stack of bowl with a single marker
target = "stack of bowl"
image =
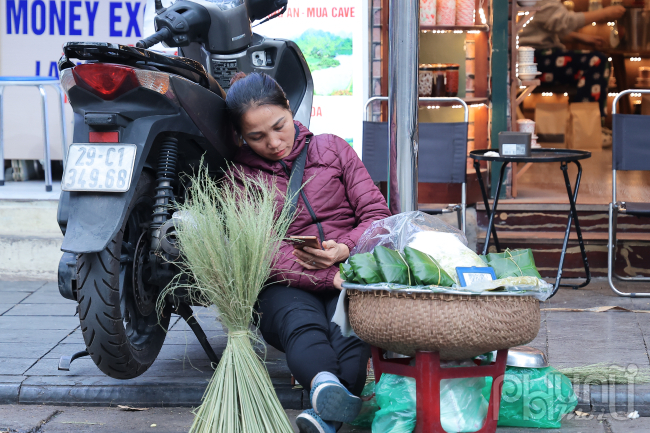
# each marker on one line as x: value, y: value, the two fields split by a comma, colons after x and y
x: 527, y: 65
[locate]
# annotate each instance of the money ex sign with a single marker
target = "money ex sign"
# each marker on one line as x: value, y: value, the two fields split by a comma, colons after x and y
x: 50, y: 17
x: 32, y: 33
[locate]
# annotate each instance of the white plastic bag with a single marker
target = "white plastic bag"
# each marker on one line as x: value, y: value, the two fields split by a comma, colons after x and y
x: 447, y: 250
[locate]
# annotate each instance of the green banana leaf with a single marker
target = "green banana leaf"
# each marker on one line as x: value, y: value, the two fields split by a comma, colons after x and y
x: 393, y: 266
x: 365, y: 269
x: 426, y: 271
x: 519, y: 263
x: 347, y: 274
x: 504, y: 255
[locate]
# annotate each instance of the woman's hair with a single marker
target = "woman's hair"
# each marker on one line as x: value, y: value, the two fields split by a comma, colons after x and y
x: 251, y: 91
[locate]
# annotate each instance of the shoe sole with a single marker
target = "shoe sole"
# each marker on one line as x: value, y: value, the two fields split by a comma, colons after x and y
x: 333, y: 403
x: 308, y: 424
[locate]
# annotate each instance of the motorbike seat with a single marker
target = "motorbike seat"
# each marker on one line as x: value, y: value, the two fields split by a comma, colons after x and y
x: 215, y: 87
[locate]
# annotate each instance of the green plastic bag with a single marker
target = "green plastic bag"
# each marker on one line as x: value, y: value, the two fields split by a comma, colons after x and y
x: 462, y: 405
x: 535, y: 397
x: 426, y: 271
x: 368, y: 407
x: 518, y: 263
x: 393, y: 266
x: 396, y: 399
x: 365, y: 269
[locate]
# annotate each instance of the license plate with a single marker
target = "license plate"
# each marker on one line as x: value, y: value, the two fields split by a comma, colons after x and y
x: 99, y: 167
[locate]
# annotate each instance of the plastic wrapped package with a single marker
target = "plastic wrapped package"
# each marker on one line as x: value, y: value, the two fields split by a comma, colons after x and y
x: 393, y: 266
x: 399, y: 231
x: 426, y: 271
x: 364, y: 269
x: 462, y: 405
x: 447, y: 250
x: 517, y: 263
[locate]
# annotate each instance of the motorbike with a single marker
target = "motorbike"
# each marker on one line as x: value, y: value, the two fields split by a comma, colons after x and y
x: 141, y: 120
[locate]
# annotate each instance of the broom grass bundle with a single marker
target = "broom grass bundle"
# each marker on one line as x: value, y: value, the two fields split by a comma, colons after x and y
x: 606, y: 374
x: 231, y: 232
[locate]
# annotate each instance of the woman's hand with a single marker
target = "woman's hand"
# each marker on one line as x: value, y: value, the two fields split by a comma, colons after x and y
x: 331, y: 254
x: 614, y: 12
x: 594, y: 40
x: 338, y: 281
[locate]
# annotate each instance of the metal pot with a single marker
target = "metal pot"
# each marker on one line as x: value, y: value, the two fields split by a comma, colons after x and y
x: 636, y: 22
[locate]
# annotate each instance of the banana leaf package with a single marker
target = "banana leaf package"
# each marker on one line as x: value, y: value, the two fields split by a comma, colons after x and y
x: 393, y: 266
x: 518, y: 263
x: 426, y: 271
x: 364, y: 270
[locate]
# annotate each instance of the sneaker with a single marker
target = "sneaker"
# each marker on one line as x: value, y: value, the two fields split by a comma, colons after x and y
x: 310, y: 422
x: 332, y: 402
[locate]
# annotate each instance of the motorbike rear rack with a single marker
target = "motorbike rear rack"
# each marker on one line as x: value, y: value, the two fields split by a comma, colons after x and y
x: 183, y: 310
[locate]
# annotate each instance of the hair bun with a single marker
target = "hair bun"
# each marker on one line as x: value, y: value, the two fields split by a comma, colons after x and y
x: 238, y: 76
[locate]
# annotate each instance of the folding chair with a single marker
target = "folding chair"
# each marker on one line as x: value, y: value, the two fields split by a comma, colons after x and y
x: 630, y: 151
x: 442, y: 153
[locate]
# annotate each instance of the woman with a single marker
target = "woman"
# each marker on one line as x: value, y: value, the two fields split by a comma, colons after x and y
x: 295, y: 311
x: 587, y: 70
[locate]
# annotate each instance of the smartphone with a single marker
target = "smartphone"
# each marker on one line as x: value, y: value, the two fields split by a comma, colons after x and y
x: 304, y: 241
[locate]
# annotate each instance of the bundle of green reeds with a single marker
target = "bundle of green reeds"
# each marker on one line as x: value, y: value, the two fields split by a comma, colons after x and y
x: 232, y: 231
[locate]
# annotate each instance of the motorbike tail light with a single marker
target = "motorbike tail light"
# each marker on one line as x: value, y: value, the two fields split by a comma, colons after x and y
x: 67, y: 80
x: 103, y: 137
x: 106, y: 80
x: 156, y: 81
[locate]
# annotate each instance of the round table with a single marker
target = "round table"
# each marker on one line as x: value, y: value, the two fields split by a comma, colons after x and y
x: 563, y: 156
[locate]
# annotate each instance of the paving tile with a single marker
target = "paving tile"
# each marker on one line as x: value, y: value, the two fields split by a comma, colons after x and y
x: 24, y: 309
x: 82, y: 368
x: 75, y: 337
x: 12, y: 378
x: 208, y: 323
x: 48, y: 294
x: 64, y: 349
x: 50, y: 322
x: 216, y: 338
x: 596, y: 294
x: 8, y: 297
x: 15, y: 366
x: 21, y: 286
x: 22, y: 350
x: 589, y: 338
x: 40, y: 336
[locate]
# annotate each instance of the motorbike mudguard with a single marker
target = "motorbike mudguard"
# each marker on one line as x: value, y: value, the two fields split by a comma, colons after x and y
x: 93, y: 219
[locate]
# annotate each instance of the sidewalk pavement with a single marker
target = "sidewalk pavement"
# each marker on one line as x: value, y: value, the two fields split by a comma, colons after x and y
x: 37, y: 326
x: 66, y: 419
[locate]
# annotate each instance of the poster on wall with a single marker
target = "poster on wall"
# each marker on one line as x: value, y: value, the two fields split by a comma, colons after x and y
x: 32, y: 34
x: 332, y: 36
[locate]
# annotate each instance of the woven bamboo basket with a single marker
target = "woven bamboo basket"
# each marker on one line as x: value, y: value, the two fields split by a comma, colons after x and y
x: 456, y: 326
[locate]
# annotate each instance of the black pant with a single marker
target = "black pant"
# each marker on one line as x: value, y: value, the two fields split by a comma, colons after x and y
x: 299, y: 324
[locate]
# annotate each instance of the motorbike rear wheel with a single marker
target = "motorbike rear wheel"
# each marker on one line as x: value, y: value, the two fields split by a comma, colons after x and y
x: 121, y: 341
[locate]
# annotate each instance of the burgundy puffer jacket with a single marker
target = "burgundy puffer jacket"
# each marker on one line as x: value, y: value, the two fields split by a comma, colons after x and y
x: 340, y: 192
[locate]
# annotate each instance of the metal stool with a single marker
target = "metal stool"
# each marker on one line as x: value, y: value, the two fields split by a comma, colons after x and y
x: 38, y: 82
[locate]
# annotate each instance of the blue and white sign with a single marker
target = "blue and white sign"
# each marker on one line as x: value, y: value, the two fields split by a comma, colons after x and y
x: 32, y: 33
